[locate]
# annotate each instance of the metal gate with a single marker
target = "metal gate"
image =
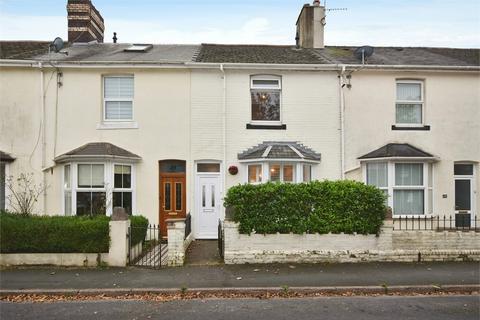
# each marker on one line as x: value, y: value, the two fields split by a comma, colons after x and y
x: 146, y: 247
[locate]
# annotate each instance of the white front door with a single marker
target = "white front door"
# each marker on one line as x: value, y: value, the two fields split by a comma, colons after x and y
x: 208, y: 206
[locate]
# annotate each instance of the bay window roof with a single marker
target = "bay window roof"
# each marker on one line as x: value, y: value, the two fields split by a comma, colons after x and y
x: 279, y: 150
x: 98, y: 150
x: 397, y: 150
x: 5, y: 157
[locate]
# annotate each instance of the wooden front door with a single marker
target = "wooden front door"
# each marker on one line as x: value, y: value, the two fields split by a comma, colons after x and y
x: 172, y: 198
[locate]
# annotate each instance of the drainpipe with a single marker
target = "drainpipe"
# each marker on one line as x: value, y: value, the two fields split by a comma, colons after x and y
x: 224, y: 128
x: 44, y: 138
x: 342, y: 120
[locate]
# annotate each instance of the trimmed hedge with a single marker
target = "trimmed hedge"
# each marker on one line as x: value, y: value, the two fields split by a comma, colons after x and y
x: 55, y: 234
x: 138, y: 227
x: 315, y: 207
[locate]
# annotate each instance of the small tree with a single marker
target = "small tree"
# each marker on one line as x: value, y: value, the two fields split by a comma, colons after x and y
x: 23, y: 193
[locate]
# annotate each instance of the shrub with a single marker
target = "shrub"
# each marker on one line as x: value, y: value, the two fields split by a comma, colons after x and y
x: 139, y: 225
x: 55, y: 234
x: 315, y: 207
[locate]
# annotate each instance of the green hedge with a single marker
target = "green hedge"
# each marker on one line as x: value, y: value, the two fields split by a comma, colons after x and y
x: 315, y: 207
x: 56, y: 234
x: 139, y: 225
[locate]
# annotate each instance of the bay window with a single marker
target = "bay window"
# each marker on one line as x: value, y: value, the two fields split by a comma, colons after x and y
x: 284, y: 172
x: 408, y: 185
x: 254, y: 173
x: 96, y: 188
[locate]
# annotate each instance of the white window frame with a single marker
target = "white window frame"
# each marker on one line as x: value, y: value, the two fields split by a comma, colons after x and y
x: 282, y: 166
x: 257, y: 87
x: 265, y: 165
x: 108, y: 188
x: 105, y: 100
x: 7, y: 191
x: 427, y: 211
x: 122, y: 189
x: 421, y: 102
x: 262, y: 175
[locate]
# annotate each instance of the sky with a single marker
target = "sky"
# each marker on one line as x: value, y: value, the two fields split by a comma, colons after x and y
x: 433, y: 23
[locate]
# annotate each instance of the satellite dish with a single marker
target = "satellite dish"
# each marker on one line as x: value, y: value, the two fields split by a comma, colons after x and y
x: 57, y: 44
x: 364, y: 52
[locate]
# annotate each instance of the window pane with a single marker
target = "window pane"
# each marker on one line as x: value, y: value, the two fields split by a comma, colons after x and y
x: 167, y: 196
x: 265, y: 105
x: 275, y: 172
x: 123, y: 200
x: 307, y: 173
x: 288, y: 173
x: 409, y: 174
x: 377, y: 174
x: 97, y: 176
x: 118, y: 87
x: 203, y: 196
x: 463, y: 169
x: 208, y: 167
x: 118, y: 110
x: 84, y: 175
x: 66, y: 177
x: 91, y: 203
x: 265, y: 83
x: 2, y: 186
x: 408, y: 201
x: 409, y: 91
x: 213, y: 196
x: 68, y: 203
x: 462, y: 195
x: 254, y: 173
x: 122, y: 177
x: 409, y: 113
x: 172, y: 166
x: 178, y: 196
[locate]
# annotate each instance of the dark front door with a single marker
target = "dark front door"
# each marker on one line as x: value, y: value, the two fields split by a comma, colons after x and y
x: 172, y: 192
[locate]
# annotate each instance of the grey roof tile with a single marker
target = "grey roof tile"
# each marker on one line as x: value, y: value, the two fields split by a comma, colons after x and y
x: 279, y: 150
x: 5, y: 157
x: 397, y: 150
x: 98, y: 149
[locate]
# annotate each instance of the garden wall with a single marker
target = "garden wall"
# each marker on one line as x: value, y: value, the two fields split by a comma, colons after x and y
x: 405, y: 246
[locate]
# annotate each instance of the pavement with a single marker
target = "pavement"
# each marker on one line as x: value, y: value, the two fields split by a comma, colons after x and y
x: 203, y: 253
x: 243, y: 276
x: 338, y: 308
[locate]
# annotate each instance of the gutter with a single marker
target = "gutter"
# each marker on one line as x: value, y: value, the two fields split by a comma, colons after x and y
x: 247, y: 66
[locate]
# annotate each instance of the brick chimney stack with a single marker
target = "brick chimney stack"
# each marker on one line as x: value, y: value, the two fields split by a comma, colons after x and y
x: 85, y: 24
x: 311, y: 25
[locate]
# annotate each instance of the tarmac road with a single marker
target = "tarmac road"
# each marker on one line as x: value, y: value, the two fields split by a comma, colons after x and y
x: 338, y: 308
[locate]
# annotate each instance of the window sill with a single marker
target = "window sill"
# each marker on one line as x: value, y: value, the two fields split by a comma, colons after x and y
x: 266, y: 126
x: 415, y: 128
x: 117, y: 125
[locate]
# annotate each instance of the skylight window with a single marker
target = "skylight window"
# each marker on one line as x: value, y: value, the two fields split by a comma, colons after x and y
x: 139, y: 48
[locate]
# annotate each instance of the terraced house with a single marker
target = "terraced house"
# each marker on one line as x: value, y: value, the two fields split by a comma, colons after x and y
x: 165, y: 130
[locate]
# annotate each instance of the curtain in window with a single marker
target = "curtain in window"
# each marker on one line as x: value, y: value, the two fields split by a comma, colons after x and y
x: 118, y: 110
x: 119, y: 87
x: 409, y: 92
x: 409, y: 113
x: 408, y: 202
x: 409, y: 174
x: 377, y: 174
x: 90, y: 175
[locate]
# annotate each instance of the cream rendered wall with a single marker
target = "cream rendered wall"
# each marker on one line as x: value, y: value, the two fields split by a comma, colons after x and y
x: 161, y: 109
x: 20, y: 121
x: 452, y: 109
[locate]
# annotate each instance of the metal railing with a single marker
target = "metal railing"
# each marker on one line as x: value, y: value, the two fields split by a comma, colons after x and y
x: 221, y: 244
x: 188, y: 225
x: 151, y: 252
x: 457, y: 222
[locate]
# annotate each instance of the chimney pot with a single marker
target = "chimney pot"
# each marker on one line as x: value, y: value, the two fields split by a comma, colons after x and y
x: 115, y: 37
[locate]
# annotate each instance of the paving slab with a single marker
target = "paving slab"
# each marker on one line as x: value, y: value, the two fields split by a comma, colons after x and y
x: 253, y: 276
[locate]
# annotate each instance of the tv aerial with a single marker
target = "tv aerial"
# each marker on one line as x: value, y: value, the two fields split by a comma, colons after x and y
x: 364, y: 52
